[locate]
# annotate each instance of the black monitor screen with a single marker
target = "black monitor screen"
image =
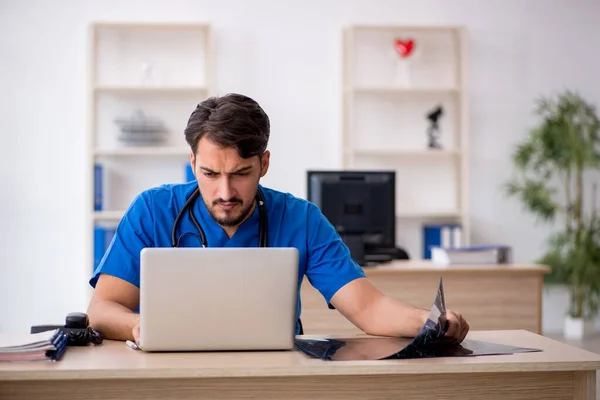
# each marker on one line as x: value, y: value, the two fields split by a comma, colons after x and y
x: 357, y: 203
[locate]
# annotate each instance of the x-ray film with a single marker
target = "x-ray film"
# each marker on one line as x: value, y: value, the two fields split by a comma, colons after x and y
x: 429, y: 342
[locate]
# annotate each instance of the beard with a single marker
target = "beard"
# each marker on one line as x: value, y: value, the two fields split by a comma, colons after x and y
x: 229, y: 218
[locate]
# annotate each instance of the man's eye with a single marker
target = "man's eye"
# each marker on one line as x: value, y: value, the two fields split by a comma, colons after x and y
x: 243, y: 173
x: 209, y: 174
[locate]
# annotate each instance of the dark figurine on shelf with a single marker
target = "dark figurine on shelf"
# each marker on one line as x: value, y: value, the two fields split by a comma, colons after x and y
x: 433, y: 130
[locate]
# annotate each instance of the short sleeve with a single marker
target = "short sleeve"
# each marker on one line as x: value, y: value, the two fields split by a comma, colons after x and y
x: 329, y: 265
x: 134, y: 232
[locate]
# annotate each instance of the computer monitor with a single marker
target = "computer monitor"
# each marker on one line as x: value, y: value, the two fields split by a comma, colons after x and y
x: 361, y: 205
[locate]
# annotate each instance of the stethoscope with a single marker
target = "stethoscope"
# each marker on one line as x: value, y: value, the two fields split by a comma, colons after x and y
x: 262, y: 225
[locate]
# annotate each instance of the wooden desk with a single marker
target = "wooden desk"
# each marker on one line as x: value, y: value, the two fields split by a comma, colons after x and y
x: 490, y: 297
x: 113, y: 371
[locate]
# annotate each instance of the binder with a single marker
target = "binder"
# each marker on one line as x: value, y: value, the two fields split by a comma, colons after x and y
x: 98, y: 204
x: 103, y: 236
x: 43, y: 346
x: 99, y: 245
x: 441, y: 235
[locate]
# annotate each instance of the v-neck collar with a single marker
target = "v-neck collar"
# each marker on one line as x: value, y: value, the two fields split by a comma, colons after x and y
x: 246, y: 235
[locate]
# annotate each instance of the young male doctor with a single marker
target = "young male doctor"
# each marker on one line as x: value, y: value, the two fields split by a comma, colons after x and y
x: 228, y: 138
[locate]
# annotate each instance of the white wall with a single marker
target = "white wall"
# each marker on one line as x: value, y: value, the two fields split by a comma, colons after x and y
x: 286, y: 55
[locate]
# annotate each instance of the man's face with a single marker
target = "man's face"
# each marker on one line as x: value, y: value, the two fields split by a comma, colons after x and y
x: 227, y: 182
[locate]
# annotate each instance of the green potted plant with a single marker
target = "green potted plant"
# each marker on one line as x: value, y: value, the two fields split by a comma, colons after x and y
x: 552, y: 180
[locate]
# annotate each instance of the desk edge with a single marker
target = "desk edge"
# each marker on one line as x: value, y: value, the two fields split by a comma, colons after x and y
x: 325, y: 368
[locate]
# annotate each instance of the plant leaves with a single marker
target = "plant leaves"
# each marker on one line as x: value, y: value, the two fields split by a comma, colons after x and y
x: 564, y: 144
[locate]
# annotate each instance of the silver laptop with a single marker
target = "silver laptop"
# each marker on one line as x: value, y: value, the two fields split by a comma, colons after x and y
x: 218, y: 299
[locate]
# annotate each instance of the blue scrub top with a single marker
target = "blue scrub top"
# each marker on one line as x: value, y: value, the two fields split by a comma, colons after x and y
x: 292, y: 222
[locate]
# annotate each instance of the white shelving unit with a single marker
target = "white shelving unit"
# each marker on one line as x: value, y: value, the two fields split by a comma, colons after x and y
x: 386, y: 100
x: 163, y: 70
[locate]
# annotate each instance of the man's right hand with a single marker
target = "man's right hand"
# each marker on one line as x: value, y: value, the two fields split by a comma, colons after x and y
x: 136, y: 331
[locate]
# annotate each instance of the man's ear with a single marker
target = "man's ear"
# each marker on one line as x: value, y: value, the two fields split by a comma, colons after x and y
x: 193, y: 162
x: 264, y: 160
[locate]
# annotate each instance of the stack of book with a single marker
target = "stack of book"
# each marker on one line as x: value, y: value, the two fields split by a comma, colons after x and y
x: 43, y: 346
x: 487, y: 254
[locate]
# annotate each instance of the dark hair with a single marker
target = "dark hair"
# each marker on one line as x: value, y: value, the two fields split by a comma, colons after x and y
x: 233, y: 120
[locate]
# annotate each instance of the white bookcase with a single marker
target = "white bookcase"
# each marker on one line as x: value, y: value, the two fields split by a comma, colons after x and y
x: 162, y: 70
x: 386, y: 100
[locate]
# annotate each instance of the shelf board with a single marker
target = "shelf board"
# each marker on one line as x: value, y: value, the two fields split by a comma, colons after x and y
x: 144, y: 151
x: 151, y: 26
x: 125, y: 89
x: 113, y: 215
x: 429, y: 215
x: 441, y: 153
x: 403, y: 90
x: 395, y: 28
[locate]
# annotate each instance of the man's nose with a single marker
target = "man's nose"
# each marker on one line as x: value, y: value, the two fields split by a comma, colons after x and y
x: 226, y: 191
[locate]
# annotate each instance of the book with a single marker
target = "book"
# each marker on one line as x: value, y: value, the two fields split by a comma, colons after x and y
x: 48, y: 346
x: 428, y: 343
x: 98, y: 182
x: 444, y: 235
x: 487, y: 254
x: 103, y: 236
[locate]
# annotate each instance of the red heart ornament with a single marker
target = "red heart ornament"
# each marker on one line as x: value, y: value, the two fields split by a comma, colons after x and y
x: 404, y: 47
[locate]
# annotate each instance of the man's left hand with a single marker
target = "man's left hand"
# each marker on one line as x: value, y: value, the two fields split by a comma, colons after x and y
x: 457, y: 327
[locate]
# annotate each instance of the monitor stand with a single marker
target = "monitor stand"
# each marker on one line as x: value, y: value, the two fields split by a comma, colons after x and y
x: 356, y: 246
